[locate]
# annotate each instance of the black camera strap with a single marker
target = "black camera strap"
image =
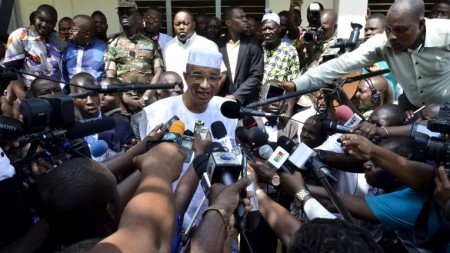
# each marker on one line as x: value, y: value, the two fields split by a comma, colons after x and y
x: 421, y: 234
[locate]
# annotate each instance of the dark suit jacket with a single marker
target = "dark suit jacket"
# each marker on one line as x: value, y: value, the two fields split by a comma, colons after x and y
x: 121, y: 134
x: 249, y: 70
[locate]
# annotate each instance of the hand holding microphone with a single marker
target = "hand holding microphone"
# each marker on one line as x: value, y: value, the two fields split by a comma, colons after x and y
x: 357, y: 146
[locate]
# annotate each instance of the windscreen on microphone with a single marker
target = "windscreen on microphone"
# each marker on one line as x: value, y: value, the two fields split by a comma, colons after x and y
x: 330, y: 126
x: 241, y: 133
x: 249, y: 122
x: 177, y: 127
x: 188, y: 133
x: 287, y: 144
x: 218, y: 130
x: 265, y: 151
x: 88, y: 127
x: 215, y: 147
x: 98, y: 148
x: 257, y: 137
x: 342, y: 114
x: 230, y: 109
x: 200, y: 164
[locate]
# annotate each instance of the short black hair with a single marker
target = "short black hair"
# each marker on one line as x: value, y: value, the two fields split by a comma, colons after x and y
x: 98, y: 13
x: 332, y: 235
x: 228, y: 11
x: 73, y: 198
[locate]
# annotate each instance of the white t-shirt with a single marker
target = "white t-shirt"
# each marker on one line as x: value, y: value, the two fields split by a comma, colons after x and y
x: 162, y: 110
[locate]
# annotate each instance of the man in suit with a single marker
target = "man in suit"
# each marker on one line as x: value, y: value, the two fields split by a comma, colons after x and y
x: 89, y: 107
x: 243, y: 58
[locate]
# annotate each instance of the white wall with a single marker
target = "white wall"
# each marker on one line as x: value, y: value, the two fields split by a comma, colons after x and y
x: 348, y: 11
x: 68, y: 8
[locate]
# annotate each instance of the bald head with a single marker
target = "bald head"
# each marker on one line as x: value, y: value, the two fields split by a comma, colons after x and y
x: 81, y: 79
x: 328, y: 18
x: 85, y: 22
x: 412, y: 8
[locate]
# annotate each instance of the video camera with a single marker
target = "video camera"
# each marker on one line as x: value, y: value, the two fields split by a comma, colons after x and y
x: 315, y: 26
x: 435, y: 144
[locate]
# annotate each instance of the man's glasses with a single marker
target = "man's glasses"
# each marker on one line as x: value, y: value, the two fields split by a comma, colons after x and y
x: 198, y: 78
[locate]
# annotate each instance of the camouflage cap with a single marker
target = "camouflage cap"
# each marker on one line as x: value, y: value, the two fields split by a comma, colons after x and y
x: 127, y: 4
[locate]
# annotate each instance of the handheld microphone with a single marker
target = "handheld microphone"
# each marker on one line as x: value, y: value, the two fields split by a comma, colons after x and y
x: 241, y: 134
x: 275, y: 159
x: 330, y: 126
x: 302, y: 157
x: 257, y: 137
x: 176, y: 131
x: 98, y: 148
x: 345, y: 116
x: 233, y: 110
x: 127, y: 87
x: 249, y: 122
x: 88, y: 127
x: 219, y: 132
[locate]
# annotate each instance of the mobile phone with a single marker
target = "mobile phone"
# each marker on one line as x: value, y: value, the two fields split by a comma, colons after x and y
x: 205, y: 183
x: 274, y: 91
x: 187, y: 144
x: 167, y: 125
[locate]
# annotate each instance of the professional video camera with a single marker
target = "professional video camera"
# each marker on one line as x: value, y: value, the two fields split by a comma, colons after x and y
x: 434, y: 144
x: 352, y: 42
x: 315, y: 29
x: 53, y: 133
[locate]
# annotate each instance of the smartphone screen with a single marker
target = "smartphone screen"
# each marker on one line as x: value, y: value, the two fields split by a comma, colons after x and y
x: 274, y: 91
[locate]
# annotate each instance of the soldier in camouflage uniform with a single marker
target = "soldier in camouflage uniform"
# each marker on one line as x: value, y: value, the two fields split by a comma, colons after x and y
x: 133, y: 58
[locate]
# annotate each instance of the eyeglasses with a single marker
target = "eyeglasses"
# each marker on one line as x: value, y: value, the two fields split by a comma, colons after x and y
x: 198, y: 78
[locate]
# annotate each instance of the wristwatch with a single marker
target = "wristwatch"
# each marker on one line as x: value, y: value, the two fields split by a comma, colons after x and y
x: 276, y: 179
x: 322, y: 155
x: 301, y: 196
x: 145, y: 98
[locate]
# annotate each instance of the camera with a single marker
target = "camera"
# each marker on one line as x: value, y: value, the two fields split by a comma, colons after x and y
x: 434, y: 143
x: 315, y: 30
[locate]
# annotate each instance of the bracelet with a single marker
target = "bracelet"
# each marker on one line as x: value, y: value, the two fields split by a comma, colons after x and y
x: 387, y: 132
x: 221, y: 211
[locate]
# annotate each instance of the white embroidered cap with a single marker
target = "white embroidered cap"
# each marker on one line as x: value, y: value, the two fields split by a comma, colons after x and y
x: 205, y: 58
x: 271, y: 16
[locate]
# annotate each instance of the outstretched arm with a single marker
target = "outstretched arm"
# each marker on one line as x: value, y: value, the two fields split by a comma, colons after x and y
x: 144, y: 225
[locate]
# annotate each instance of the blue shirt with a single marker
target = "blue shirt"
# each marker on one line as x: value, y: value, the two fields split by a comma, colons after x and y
x: 88, y: 59
x: 398, y: 211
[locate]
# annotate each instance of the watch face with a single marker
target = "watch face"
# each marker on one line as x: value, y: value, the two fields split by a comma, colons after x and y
x: 276, y: 180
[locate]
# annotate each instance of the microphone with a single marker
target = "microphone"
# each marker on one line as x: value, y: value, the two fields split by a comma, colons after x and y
x: 342, y: 114
x: 233, y: 110
x: 241, y: 133
x: 88, y: 127
x: 257, y: 137
x: 175, y: 132
x: 219, y: 132
x: 98, y: 148
x: 345, y: 116
x: 249, y: 122
x: 302, y: 157
x: 275, y: 159
x: 127, y: 87
x: 330, y: 126
x: 83, y: 94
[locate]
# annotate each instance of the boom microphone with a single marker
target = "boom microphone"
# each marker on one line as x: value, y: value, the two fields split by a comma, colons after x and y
x: 233, y: 110
x: 127, y: 87
x: 88, y: 127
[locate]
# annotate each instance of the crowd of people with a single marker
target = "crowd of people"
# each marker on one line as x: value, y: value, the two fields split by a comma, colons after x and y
x: 92, y: 163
